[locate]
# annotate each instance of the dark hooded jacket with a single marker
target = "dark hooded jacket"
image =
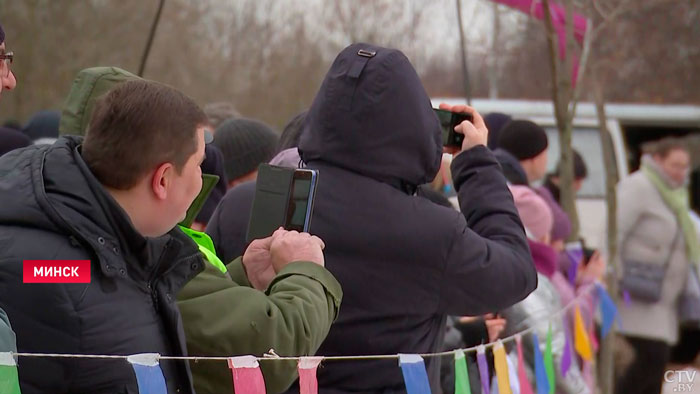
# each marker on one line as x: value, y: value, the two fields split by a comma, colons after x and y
x: 404, y: 262
x: 54, y: 208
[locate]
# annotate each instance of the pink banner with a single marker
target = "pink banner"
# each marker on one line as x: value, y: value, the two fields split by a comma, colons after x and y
x: 536, y: 9
x: 247, y: 377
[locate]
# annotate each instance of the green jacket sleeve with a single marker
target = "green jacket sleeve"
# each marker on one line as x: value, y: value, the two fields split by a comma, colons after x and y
x: 7, y: 336
x: 227, y: 317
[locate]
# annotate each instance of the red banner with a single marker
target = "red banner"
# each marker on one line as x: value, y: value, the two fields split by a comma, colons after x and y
x: 56, y: 271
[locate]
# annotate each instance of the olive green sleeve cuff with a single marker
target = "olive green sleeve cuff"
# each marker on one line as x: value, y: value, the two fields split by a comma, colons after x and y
x: 315, y: 272
x: 237, y: 272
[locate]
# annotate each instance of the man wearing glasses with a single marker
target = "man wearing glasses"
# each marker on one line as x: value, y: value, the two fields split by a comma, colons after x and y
x: 6, y: 76
x: 7, y: 336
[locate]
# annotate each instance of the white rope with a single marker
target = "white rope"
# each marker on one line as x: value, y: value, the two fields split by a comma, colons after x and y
x: 271, y: 355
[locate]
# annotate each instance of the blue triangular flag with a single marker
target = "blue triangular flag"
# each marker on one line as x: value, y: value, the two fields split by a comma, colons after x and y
x: 149, y: 376
x: 414, y: 374
x: 608, y: 310
x: 541, y: 378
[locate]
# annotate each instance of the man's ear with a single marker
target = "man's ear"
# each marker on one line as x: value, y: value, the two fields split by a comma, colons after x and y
x: 161, y: 180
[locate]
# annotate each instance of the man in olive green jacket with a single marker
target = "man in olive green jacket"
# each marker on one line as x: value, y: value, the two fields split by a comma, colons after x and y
x: 249, y: 306
x: 254, y: 307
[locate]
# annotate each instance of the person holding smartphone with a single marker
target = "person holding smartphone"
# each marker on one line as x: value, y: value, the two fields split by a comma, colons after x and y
x: 404, y: 262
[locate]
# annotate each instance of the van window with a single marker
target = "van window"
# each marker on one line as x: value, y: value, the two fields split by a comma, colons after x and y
x: 587, y: 142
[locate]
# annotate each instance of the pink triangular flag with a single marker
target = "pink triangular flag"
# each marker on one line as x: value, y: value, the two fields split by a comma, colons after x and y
x: 247, y: 377
x: 525, y: 387
x: 308, y: 384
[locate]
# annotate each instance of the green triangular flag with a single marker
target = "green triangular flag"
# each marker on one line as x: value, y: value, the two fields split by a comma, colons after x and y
x: 549, y: 362
x: 9, y: 381
x: 461, y: 374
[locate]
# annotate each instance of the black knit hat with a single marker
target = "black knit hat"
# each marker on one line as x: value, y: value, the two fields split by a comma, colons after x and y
x: 11, y: 139
x: 245, y: 144
x: 523, y: 139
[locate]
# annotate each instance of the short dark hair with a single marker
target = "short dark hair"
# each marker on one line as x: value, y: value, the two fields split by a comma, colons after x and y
x: 580, y: 168
x: 664, y: 146
x: 137, y: 126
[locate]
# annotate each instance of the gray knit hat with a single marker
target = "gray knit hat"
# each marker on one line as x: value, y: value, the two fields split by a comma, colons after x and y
x: 245, y: 143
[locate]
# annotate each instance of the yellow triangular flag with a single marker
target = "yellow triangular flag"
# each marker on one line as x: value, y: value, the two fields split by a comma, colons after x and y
x: 581, y: 342
x: 499, y: 360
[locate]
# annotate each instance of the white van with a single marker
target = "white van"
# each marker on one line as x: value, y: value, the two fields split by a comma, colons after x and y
x: 630, y: 126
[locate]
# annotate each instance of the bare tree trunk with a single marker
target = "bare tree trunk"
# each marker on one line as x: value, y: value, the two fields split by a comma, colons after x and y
x: 463, y: 47
x: 561, y: 97
x: 606, y: 371
x: 493, y: 70
x: 151, y: 35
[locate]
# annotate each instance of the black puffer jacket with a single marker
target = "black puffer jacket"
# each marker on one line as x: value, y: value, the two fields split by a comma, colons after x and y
x: 403, y: 261
x: 53, y: 208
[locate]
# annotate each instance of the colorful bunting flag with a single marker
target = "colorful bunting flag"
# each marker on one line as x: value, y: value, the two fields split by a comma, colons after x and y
x: 512, y: 376
x: 541, y: 379
x: 581, y: 341
x: 149, y: 376
x: 626, y: 296
x: 549, y: 361
x: 414, y: 374
x: 462, y: 385
x: 567, y: 356
x: 525, y: 387
x: 308, y: 384
x: 247, y: 377
x: 575, y: 257
x: 483, y: 369
x: 501, y: 366
x: 9, y: 381
x: 608, y: 310
x: 594, y: 339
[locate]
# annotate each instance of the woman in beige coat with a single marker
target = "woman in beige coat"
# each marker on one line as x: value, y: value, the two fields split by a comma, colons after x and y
x: 652, y: 229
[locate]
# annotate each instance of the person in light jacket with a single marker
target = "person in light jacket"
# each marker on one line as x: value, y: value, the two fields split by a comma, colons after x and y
x: 654, y: 228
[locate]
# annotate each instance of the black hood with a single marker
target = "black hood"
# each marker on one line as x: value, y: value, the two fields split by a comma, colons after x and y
x: 372, y: 116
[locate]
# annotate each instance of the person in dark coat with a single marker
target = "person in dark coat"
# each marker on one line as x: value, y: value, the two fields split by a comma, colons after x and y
x: 373, y: 136
x: 114, y: 199
x: 11, y: 139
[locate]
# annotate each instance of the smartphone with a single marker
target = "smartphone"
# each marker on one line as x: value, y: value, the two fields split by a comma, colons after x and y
x: 448, y: 121
x: 301, y: 200
x: 284, y: 197
x: 209, y: 182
